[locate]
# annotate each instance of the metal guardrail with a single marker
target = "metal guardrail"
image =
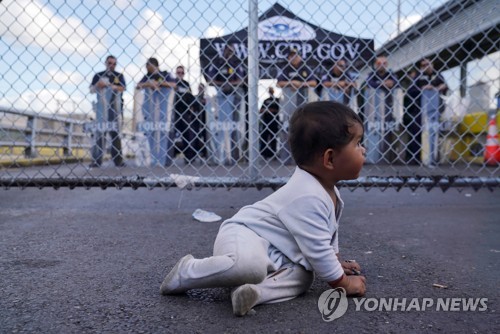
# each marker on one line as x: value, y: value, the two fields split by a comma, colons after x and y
x: 33, y: 131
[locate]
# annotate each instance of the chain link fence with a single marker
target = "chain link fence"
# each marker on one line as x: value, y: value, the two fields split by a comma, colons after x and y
x: 199, y: 93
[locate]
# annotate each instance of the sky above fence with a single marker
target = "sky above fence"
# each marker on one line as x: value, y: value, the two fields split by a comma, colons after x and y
x: 50, y: 50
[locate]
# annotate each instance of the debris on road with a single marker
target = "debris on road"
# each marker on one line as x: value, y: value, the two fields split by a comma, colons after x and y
x: 206, y: 216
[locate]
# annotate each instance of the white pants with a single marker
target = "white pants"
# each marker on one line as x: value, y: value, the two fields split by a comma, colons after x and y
x: 242, y: 257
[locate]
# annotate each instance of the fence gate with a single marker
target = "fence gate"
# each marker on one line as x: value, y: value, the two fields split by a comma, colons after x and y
x: 199, y: 93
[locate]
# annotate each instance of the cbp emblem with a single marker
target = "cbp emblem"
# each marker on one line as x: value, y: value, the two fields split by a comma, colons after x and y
x: 230, y: 71
x: 284, y: 28
x: 304, y: 74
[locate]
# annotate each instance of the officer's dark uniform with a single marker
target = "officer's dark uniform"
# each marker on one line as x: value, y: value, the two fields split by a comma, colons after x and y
x: 385, y: 145
x: 155, y: 109
x: 412, y: 118
x: 269, y: 127
x: 292, y: 98
x: 114, y: 108
x: 225, y: 73
x: 186, y: 125
x: 302, y: 73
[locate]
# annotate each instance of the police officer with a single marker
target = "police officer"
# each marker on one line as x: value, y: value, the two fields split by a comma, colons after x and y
x: 269, y: 126
x: 378, y: 112
x: 185, y: 123
x: 426, y: 90
x: 109, y: 86
x: 338, y: 84
x: 157, y: 86
x: 295, y: 79
x: 227, y: 75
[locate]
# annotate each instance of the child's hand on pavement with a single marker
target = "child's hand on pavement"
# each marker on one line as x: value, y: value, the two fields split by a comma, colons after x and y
x: 353, y: 285
x: 351, y: 267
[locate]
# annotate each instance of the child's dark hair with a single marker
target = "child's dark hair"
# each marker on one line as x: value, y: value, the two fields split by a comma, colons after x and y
x: 318, y: 126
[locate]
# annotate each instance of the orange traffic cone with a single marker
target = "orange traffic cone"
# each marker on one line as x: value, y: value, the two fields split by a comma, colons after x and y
x: 492, y: 149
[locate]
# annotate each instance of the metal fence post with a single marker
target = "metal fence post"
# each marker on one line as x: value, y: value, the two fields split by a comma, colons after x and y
x: 67, y: 150
x: 253, y: 77
x: 31, y: 125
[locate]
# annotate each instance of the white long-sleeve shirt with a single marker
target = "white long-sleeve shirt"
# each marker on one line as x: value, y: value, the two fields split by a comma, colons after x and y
x: 301, y: 223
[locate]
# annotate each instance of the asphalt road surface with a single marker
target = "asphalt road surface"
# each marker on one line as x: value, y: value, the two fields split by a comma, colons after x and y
x: 91, y: 261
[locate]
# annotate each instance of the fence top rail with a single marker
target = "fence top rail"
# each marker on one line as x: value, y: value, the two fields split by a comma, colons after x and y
x: 51, y: 117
